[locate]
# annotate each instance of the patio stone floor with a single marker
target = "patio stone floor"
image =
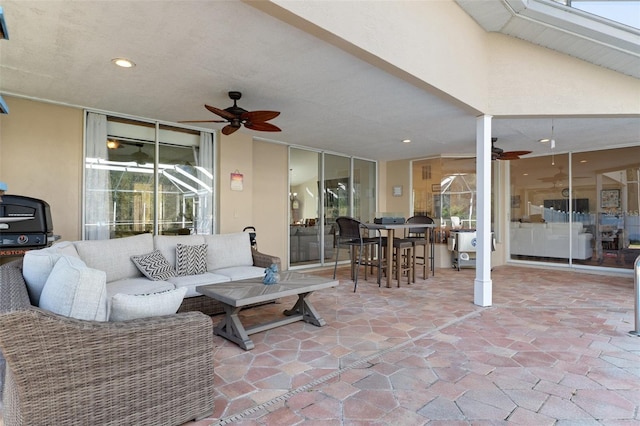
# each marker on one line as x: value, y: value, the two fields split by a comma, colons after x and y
x: 553, y: 349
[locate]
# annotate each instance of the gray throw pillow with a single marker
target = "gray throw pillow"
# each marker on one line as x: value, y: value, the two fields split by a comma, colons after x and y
x: 191, y: 259
x: 154, y: 266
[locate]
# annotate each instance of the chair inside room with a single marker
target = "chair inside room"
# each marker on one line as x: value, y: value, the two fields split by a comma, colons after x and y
x: 353, y: 235
x: 455, y: 222
x: 421, y: 237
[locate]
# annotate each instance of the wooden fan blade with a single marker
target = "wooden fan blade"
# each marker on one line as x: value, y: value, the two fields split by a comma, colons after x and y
x: 507, y: 156
x: 203, y: 121
x: 228, y: 129
x: 222, y: 113
x: 262, y: 127
x: 259, y: 116
x: 517, y: 153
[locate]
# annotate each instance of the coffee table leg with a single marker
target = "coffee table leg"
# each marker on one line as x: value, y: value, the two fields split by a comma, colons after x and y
x: 304, y: 307
x: 232, y: 329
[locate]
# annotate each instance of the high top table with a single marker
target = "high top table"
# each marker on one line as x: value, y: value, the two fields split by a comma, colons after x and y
x: 235, y: 295
x: 391, y: 228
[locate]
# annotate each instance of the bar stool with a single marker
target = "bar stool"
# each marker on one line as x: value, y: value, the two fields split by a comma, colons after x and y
x: 403, y: 258
x: 419, y: 238
x: 350, y: 234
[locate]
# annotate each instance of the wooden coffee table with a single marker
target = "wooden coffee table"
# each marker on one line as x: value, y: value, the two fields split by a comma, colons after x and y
x: 236, y: 295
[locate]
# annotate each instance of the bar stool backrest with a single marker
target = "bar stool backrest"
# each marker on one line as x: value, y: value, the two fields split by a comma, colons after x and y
x: 418, y: 219
x: 348, y: 228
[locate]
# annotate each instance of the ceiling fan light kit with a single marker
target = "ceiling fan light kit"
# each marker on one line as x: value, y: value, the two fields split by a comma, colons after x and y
x: 237, y: 116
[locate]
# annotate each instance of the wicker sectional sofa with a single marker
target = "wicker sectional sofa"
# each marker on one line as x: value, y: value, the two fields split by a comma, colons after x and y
x: 145, y: 371
x: 65, y: 371
x: 229, y: 257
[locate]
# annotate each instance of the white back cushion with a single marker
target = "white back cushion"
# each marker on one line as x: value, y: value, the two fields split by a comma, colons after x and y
x: 227, y: 250
x: 38, y: 264
x: 76, y: 291
x: 114, y: 256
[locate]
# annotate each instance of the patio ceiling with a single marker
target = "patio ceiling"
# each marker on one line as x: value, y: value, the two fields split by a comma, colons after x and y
x: 188, y: 54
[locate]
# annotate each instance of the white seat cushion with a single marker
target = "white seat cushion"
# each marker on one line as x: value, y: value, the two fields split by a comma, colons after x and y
x: 76, y: 291
x: 139, y: 285
x: 236, y: 273
x: 190, y: 282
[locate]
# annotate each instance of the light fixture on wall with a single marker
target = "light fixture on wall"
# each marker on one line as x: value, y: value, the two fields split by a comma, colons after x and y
x: 3, y: 188
x: 3, y: 26
x: 4, y: 34
x: 4, y: 109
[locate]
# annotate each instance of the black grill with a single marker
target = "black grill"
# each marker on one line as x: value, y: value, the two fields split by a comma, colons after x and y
x: 25, y: 224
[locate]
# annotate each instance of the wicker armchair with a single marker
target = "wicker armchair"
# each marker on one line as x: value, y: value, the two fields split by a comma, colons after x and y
x: 151, y: 371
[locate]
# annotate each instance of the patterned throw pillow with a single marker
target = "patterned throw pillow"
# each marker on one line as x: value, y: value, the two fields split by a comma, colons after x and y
x: 154, y: 266
x: 191, y: 260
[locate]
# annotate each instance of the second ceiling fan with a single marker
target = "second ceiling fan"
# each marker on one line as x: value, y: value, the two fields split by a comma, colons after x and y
x: 237, y: 116
x: 501, y: 154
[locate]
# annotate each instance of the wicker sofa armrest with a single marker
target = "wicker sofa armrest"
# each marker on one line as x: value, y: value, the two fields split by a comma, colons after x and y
x: 150, y: 371
x: 265, y: 260
x: 13, y: 289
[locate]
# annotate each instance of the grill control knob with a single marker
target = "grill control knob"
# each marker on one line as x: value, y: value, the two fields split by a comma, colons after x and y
x: 23, y: 239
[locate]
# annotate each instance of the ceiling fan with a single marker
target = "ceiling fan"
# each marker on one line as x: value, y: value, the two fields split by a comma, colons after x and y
x: 501, y: 154
x: 236, y: 117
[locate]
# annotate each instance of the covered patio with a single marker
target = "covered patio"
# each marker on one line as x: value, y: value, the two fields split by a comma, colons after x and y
x: 555, y: 346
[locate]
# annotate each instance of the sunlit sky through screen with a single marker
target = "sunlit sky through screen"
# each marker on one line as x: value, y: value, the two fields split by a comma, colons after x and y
x: 626, y: 11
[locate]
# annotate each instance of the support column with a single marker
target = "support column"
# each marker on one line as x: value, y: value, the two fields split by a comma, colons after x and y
x: 482, y: 289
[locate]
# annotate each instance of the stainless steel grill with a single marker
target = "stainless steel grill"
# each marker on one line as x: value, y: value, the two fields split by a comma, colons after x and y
x: 25, y: 224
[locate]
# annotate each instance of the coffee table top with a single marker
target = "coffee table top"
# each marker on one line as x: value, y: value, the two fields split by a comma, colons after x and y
x: 252, y: 290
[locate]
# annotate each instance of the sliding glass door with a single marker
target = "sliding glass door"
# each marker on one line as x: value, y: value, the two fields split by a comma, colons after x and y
x: 323, y: 187
x: 578, y: 208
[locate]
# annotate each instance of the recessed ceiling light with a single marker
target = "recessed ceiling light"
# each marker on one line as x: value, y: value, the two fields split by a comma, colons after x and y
x: 406, y: 140
x: 525, y: 174
x: 123, y: 62
x: 583, y: 161
x: 545, y: 140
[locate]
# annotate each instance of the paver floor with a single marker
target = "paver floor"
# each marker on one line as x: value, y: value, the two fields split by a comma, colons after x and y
x: 553, y: 349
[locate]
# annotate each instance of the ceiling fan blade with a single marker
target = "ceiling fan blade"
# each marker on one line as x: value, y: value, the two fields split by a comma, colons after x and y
x: 517, y: 153
x: 262, y: 127
x: 228, y: 129
x: 222, y: 113
x: 508, y: 156
x: 259, y: 116
x: 203, y: 121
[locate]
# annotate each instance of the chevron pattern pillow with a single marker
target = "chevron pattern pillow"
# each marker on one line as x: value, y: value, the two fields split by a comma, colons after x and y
x: 154, y: 266
x: 191, y: 260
